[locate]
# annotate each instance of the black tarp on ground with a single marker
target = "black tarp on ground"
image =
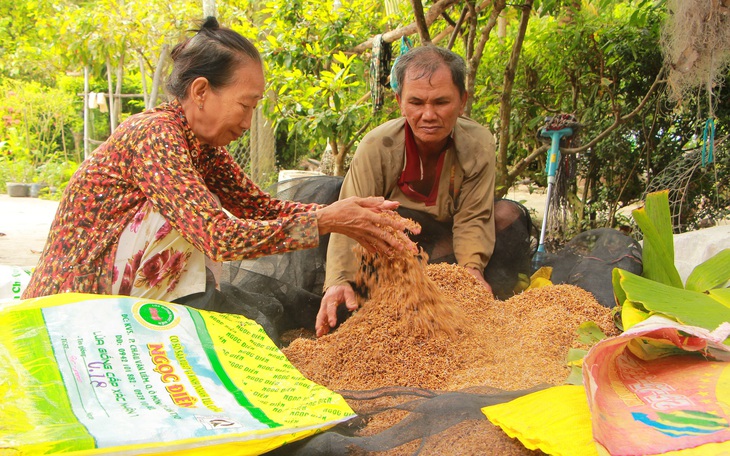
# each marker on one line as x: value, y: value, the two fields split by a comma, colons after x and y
x: 588, y: 260
x: 429, y: 414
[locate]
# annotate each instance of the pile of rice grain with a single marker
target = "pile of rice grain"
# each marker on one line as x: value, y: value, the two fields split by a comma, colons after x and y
x: 436, y: 327
x: 416, y: 304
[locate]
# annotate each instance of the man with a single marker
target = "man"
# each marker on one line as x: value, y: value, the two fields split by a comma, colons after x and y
x: 432, y: 160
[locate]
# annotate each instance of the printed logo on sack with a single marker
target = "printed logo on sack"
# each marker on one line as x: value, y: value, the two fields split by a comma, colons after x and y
x: 155, y: 316
x: 218, y: 422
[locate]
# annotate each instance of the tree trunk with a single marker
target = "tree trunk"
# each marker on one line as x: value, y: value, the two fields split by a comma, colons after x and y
x: 338, y: 157
x: 157, y: 78
x: 475, y: 59
x: 143, y: 77
x: 505, y: 108
x: 209, y: 8
x: 457, y: 28
x: 112, y: 101
x: 262, y: 149
x: 118, y: 91
x: 421, y: 22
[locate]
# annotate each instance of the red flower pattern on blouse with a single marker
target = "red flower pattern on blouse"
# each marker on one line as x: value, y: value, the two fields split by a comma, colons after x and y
x: 176, y: 266
x: 137, y: 221
x: 166, y: 264
x: 164, y: 230
x: 130, y: 270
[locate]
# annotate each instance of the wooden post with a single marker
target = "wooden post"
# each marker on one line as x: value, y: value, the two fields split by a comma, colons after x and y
x: 86, y: 112
x: 209, y: 8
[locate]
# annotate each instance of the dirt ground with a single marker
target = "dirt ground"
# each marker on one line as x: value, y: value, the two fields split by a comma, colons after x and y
x: 24, y: 227
x: 25, y: 223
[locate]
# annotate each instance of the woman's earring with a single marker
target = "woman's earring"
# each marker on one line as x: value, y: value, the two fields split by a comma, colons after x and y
x: 200, y: 106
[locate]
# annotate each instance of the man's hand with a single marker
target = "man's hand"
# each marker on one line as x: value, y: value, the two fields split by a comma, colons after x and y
x: 480, y: 277
x: 333, y: 297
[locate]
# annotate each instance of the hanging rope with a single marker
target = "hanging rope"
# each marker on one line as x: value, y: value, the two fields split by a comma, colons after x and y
x: 379, y: 70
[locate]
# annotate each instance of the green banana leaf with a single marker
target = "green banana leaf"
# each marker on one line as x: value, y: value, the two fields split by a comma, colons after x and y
x: 618, y: 292
x: 589, y: 333
x: 575, y: 362
x: 721, y: 295
x: 713, y: 273
x: 688, y: 307
x: 655, y: 222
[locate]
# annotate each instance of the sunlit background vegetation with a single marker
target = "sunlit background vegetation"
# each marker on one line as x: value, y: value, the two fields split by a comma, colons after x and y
x: 601, y: 60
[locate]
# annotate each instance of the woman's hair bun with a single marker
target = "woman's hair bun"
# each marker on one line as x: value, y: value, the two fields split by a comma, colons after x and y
x: 210, y: 23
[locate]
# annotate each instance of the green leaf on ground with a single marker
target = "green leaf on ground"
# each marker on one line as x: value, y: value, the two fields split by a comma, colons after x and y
x: 686, y: 306
x: 575, y: 377
x: 589, y: 333
x: 575, y: 357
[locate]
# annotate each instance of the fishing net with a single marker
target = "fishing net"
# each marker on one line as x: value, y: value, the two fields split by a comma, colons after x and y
x: 426, y: 392
x: 698, y: 187
x: 425, y: 422
x: 696, y: 45
x: 293, y: 281
x: 280, y: 292
x: 283, y: 292
x: 429, y: 348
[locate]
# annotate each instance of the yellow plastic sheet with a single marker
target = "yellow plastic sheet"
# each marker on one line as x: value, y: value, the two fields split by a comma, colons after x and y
x: 556, y: 421
x: 541, y: 278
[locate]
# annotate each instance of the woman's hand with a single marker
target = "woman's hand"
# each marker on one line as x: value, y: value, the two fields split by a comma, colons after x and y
x: 370, y: 221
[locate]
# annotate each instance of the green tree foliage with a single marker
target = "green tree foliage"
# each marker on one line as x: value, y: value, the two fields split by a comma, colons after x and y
x: 20, y: 34
x: 51, y: 44
x: 599, y: 64
x: 35, y: 121
x: 318, y: 90
x: 598, y: 61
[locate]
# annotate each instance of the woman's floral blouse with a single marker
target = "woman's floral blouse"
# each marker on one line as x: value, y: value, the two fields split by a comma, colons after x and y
x: 154, y: 261
x: 154, y: 156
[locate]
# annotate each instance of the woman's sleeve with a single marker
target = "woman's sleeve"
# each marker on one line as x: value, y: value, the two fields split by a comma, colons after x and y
x: 166, y: 175
x: 242, y: 197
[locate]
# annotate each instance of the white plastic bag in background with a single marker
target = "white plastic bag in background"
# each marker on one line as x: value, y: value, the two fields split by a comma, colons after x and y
x: 13, y: 280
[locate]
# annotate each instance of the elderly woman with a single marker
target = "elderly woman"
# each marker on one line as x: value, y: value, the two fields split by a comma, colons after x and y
x: 144, y: 215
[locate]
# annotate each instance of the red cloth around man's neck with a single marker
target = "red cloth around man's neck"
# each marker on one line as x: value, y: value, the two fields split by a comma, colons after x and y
x: 413, y: 171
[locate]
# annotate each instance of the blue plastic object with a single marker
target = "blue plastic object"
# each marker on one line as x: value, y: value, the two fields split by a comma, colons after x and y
x: 554, y: 156
x: 551, y: 168
x: 405, y: 46
x: 708, y: 142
